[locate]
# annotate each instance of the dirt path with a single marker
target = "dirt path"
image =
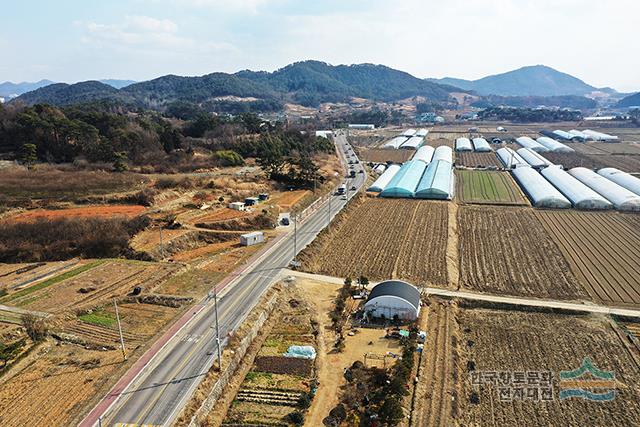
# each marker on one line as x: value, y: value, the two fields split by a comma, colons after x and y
x: 435, y: 383
x: 453, y: 262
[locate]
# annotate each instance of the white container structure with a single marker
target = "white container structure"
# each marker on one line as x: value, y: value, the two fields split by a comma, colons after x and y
x: 532, y: 158
x: 251, y: 239
x: 409, y: 132
x: 553, y: 145
x: 527, y: 142
x: 383, y: 180
x: 424, y: 154
x: 621, y: 198
x: 541, y: 193
x: 623, y: 179
x: 563, y: 135
x: 581, y: 196
x: 413, y: 143
x: 463, y: 144
x: 422, y: 132
x: 379, y: 169
x: 443, y: 152
x: 599, y: 136
x: 393, y: 298
x: 396, y: 142
x: 481, y: 145
x: 510, y: 159
x: 237, y: 206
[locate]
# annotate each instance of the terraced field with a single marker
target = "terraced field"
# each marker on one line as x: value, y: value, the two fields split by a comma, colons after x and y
x: 488, y: 187
x: 602, y: 249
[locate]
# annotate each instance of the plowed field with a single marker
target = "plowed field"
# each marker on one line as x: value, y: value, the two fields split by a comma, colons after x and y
x: 481, y: 160
x: 603, y: 250
x: 383, y: 239
x: 84, y: 212
x: 508, y: 251
x: 380, y: 155
x: 500, y: 341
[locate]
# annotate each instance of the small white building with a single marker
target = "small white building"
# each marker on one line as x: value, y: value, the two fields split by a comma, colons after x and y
x: 393, y: 298
x: 238, y: 206
x: 251, y: 239
x: 362, y: 126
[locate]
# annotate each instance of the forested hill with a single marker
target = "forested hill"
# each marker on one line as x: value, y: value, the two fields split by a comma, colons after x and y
x: 630, y: 101
x: 308, y: 83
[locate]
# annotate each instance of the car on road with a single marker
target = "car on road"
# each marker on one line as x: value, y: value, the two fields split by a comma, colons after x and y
x: 353, y: 188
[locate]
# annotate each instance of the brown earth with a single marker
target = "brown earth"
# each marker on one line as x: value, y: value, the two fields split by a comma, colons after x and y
x: 381, y: 155
x: 474, y: 159
x: 83, y: 212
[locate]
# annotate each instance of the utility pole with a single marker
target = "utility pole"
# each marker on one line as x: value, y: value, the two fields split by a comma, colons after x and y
x: 295, y: 237
x: 215, y: 304
x: 161, y: 247
x: 329, y: 216
x: 124, y: 354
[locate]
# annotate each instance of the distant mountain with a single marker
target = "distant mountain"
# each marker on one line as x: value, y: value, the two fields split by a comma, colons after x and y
x: 629, y: 101
x: 537, y: 80
x: 9, y: 89
x: 118, y: 84
x: 562, y: 101
x: 65, y: 94
x: 308, y: 83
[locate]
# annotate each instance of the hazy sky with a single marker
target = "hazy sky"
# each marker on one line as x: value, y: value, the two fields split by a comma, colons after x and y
x: 73, y: 40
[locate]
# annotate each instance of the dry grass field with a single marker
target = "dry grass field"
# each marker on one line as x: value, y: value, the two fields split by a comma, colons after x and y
x: 383, y: 239
x: 508, y: 251
x: 503, y: 341
x: 380, y: 155
x: 603, y: 250
x: 83, y: 212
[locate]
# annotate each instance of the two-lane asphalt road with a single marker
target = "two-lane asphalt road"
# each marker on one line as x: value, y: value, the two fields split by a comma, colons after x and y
x: 161, y: 390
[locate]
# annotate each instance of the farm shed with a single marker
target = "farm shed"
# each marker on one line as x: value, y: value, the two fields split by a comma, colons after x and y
x: 409, y: 132
x: 539, y: 190
x: 463, y: 144
x: 437, y: 182
x: 422, y: 132
x: 621, y: 198
x: 481, y: 145
x: 443, y: 152
x: 530, y: 143
x: 250, y: 239
x: 413, y: 143
x: 383, y: 180
x: 532, y: 158
x: 396, y: 142
x: 404, y: 183
x: 623, y: 179
x: 510, y: 158
x: 553, y: 145
x: 379, y: 169
x: 393, y: 298
x: 581, y: 196
x: 424, y: 154
x: 238, y: 206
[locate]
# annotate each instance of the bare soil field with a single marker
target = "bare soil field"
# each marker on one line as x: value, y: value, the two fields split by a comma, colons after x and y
x: 83, y: 212
x: 488, y: 188
x: 383, y: 239
x: 602, y: 250
x: 16, y: 276
x: 508, y: 251
x: 607, y: 148
x: 503, y: 341
x: 478, y: 160
x: 380, y: 155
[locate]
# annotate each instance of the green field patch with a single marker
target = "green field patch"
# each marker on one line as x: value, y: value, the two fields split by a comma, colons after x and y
x: 52, y: 281
x: 99, y: 318
x: 488, y: 187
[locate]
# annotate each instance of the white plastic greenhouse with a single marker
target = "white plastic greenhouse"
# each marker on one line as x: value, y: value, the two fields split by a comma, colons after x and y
x: 443, y: 152
x: 437, y: 182
x: 413, y: 143
x: 463, y: 144
x: 599, y: 136
x: 409, y: 132
x: 383, y: 180
x: 530, y: 143
x: 563, y: 135
x: 422, y: 132
x: 581, y: 196
x: 539, y: 190
x: 510, y: 158
x: 583, y: 137
x: 379, y: 169
x: 621, y: 198
x: 424, y: 154
x: 404, y: 183
x: 553, y: 145
x: 623, y: 179
x: 481, y: 145
x: 396, y: 142
x: 532, y: 158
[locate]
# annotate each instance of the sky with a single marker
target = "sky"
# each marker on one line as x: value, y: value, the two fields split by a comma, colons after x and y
x: 77, y: 40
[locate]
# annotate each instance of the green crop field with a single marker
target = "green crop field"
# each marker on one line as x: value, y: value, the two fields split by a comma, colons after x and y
x: 488, y: 187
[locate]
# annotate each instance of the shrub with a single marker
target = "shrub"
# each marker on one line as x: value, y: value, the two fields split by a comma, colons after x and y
x: 36, y: 327
x: 296, y: 417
